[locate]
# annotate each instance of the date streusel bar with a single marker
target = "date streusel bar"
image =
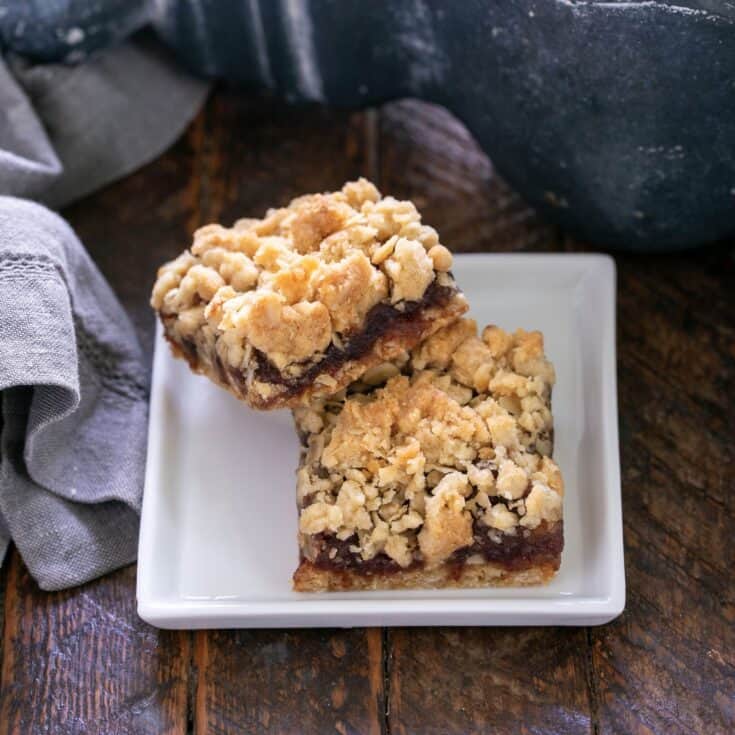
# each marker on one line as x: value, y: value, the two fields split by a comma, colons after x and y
x: 301, y: 303
x: 434, y: 470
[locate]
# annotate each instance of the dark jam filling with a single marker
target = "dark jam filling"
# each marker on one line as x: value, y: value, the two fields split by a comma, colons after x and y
x: 516, y: 551
x: 542, y: 545
x: 382, y: 321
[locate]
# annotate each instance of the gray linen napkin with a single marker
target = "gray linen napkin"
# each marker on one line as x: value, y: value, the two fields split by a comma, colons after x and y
x: 67, y: 130
x: 72, y: 382
x: 73, y: 394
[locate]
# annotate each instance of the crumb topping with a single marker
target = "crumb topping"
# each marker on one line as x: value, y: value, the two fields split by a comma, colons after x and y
x: 423, y: 451
x: 303, y: 277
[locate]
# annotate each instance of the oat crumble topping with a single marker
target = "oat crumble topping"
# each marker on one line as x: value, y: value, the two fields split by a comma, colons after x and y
x: 301, y: 279
x: 408, y: 460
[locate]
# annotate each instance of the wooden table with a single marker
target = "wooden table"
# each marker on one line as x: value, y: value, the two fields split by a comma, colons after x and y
x: 82, y: 662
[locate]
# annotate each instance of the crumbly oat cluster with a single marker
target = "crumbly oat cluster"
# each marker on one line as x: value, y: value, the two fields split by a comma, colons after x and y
x: 300, y: 280
x: 422, y: 450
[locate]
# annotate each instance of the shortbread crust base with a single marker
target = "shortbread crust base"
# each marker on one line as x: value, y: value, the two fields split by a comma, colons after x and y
x: 309, y: 578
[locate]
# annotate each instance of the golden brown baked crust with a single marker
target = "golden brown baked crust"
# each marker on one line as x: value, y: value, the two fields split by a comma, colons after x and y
x: 305, y: 300
x: 435, y: 458
x: 309, y: 578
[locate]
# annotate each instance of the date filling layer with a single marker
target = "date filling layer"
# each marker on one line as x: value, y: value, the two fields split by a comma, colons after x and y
x: 405, y: 322
x: 522, y: 550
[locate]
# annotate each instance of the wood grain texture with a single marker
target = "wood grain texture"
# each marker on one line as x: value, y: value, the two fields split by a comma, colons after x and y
x: 255, y: 157
x: 668, y: 664
x: 3, y: 584
x: 475, y: 680
x: 314, y: 681
x: 82, y: 661
x: 254, y: 154
x: 427, y: 155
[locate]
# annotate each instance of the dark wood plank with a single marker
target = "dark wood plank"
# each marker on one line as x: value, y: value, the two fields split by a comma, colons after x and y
x: 3, y: 583
x: 474, y: 680
x: 315, y: 681
x: 481, y: 680
x: 668, y: 664
x: 427, y: 155
x: 259, y: 155
x: 82, y: 661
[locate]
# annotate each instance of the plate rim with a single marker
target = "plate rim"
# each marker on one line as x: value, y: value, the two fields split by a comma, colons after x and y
x: 312, y: 611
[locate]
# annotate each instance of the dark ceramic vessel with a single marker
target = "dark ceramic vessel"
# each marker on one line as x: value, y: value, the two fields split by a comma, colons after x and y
x: 615, y: 119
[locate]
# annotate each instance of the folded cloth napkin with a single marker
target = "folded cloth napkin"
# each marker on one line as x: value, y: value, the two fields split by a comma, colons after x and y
x: 72, y: 382
x: 73, y: 405
x: 67, y: 130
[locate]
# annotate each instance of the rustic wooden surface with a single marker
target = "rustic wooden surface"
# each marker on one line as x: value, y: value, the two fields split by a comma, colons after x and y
x: 82, y: 662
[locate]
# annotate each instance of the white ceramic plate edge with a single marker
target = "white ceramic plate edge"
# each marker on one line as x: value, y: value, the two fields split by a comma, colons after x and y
x: 321, y: 611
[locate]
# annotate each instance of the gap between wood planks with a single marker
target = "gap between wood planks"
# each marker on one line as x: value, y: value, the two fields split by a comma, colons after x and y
x: 592, y: 685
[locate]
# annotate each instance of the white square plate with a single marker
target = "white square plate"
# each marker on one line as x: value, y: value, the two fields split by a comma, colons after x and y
x: 218, y: 532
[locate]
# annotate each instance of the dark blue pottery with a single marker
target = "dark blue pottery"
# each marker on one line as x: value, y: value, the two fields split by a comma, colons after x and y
x: 615, y: 119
